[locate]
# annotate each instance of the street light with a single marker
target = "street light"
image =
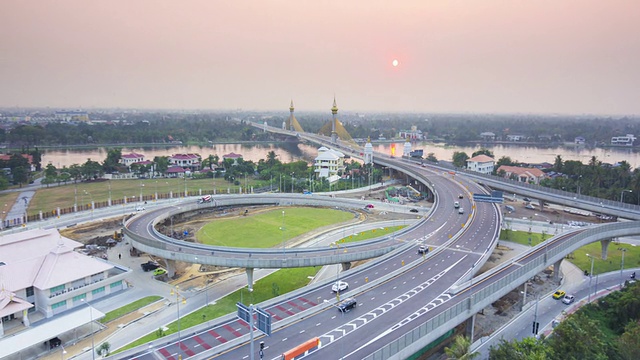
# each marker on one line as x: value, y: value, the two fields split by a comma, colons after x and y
x: 63, y: 352
x: 179, y: 298
x: 622, y: 265
x: 93, y: 348
x: 622, y: 195
x: 590, y: 277
x: 292, y: 182
x: 282, y: 228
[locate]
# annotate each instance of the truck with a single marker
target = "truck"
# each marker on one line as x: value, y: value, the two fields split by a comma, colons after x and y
x: 205, y: 199
x: 416, y: 153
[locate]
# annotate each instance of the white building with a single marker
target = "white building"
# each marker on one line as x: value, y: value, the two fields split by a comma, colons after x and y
x: 131, y: 158
x: 482, y: 163
x: 626, y: 140
x: 41, y: 272
x: 328, y: 164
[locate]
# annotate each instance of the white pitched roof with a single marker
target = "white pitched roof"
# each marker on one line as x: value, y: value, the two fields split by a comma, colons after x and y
x: 43, y: 258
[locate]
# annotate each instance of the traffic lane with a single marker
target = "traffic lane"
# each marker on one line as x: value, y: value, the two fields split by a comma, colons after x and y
x: 299, y: 332
x: 372, y: 298
x: 398, y: 319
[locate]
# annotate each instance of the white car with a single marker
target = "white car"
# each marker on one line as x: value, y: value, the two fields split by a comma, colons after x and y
x: 460, y: 211
x: 339, y: 286
x: 568, y: 299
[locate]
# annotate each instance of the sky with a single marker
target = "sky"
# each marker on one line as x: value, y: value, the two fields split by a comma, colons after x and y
x: 454, y: 56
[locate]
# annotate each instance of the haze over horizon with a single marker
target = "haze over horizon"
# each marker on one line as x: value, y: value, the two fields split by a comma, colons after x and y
x: 491, y: 56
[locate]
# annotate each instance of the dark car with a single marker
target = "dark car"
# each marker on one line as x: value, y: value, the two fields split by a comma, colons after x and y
x: 149, y: 265
x: 526, y: 199
x: 413, y: 210
x: 347, y: 304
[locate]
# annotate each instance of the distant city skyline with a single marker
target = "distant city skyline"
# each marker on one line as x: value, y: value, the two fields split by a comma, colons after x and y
x: 491, y: 56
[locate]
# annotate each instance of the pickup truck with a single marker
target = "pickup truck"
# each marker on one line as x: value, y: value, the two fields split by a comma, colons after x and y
x: 149, y: 265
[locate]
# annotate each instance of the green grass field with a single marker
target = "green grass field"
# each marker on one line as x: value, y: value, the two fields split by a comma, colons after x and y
x: 264, y: 230
x: 370, y: 234
x: 129, y: 308
x: 48, y: 199
x: 580, y: 258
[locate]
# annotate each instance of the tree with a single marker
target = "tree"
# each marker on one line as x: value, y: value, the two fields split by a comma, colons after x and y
x: 483, y: 152
x: 557, y: 164
x: 629, y: 342
x: 50, y: 175
x: 460, y: 158
x: 112, y: 161
x: 161, y: 164
x: 579, y: 337
x: 103, y: 349
x: 460, y: 349
x: 527, y: 348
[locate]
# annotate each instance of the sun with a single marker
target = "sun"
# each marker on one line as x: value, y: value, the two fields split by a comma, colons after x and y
x: 395, y: 62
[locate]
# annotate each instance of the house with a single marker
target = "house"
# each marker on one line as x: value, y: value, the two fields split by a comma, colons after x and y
x: 175, y: 171
x: 131, y: 158
x: 579, y: 140
x: 41, y: 272
x: 488, y: 136
x: 626, y: 140
x: 516, y: 137
x: 328, y: 164
x: 188, y: 161
x: 32, y: 166
x: 522, y: 174
x: 233, y: 156
x: 413, y: 134
x: 482, y: 163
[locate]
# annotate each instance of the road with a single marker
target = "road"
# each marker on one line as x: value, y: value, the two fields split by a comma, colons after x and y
x: 546, y: 310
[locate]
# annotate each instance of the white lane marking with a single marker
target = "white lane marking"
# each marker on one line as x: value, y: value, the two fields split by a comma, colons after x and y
x: 364, y: 319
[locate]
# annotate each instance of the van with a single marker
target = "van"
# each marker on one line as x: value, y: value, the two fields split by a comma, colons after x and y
x: 347, y: 304
x: 456, y: 204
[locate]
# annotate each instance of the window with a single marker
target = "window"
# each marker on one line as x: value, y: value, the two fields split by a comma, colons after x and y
x: 79, y: 297
x: 30, y: 291
x: 59, y: 304
x: 57, y: 289
x: 116, y: 284
x: 98, y: 290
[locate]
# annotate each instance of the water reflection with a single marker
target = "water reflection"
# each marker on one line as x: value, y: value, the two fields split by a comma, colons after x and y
x: 288, y: 152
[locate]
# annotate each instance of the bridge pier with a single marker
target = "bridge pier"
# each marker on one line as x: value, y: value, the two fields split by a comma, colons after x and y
x: 249, y: 278
x: 604, y: 243
x: 556, y: 271
x: 541, y: 204
x: 471, y: 323
x: 346, y: 266
x: 171, y: 268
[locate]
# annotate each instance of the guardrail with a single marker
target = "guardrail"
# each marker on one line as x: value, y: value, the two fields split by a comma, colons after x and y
x: 422, y: 335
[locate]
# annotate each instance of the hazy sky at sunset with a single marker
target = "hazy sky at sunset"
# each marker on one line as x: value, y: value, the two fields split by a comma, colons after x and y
x: 542, y: 56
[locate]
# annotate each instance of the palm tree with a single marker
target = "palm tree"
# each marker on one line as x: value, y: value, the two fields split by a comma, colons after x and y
x: 460, y: 349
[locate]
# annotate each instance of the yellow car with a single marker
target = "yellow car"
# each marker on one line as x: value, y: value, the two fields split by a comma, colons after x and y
x: 559, y: 294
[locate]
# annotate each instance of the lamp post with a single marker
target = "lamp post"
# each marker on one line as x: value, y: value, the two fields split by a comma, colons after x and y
x: 63, y: 352
x: 292, y: 182
x: 590, y: 277
x: 93, y: 348
x: 109, y: 192
x: 282, y: 228
x: 141, y: 186
x: 622, y: 195
x: 622, y: 265
x: 92, y: 203
x: 179, y: 298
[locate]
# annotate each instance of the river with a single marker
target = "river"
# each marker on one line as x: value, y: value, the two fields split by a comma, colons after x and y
x: 288, y: 152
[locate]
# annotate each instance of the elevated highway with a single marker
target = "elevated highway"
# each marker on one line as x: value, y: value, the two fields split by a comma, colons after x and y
x: 405, y: 300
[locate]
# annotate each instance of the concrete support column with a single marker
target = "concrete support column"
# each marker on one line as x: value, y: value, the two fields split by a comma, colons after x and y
x: 605, y: 247
x: 541, y: 204
x: 40, y: 214
x: 471, y: 323
x: 171, y: 267
x: 249, y: 278
x: 346, y: 266
x: 556, y: 271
